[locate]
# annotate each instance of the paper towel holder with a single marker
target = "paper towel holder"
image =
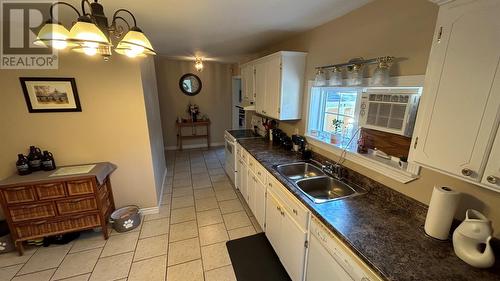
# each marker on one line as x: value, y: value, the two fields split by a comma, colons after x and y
x: 422, y: 229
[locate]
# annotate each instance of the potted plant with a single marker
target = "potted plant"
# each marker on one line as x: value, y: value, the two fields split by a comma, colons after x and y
x: 337, y: 129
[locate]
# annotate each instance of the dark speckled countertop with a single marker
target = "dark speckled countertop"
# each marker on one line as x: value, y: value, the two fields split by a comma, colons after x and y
x: 384, y: 227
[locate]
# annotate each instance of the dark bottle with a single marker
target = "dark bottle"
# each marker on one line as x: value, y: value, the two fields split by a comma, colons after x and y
x: 22, y: 165
x: 48, y: 163
x: 35, y: 158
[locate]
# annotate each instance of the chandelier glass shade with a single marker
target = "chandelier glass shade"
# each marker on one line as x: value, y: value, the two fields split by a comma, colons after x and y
x: 198, y: 64
x: 91, y: 34
x: 135, y: 44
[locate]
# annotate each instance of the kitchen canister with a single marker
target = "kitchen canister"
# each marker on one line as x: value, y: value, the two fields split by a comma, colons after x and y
x: 442, y: 209
x: 471, y: 240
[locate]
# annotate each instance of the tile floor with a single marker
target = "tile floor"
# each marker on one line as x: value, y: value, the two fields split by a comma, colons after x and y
x: 200, y: 211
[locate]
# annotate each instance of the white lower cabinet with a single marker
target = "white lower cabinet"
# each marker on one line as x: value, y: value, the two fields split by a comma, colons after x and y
x: 286, y: 237
x: 237, y: 175
x: 260, y: 203
x: 256, y: 197
x: 283, y: 218
x: 243, y: 178
x: 251, y: 190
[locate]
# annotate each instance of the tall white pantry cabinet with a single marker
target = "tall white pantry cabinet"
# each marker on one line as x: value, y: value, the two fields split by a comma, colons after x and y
x: 457, y: 122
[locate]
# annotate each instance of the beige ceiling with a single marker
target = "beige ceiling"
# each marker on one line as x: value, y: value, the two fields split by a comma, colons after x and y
x: 224, y: 29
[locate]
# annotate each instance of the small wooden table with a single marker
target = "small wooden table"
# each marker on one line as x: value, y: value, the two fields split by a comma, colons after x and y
x: 194, y: 135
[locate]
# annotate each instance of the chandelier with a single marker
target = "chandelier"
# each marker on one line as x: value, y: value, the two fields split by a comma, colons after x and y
x: 92, y: 35
x: 198, y: 64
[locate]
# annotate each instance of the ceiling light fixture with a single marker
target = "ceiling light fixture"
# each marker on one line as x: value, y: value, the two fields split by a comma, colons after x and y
x: 198, y: 64
x: 92, y: 35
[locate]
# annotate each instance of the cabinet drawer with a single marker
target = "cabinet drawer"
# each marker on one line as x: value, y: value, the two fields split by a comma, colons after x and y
x: 261, y: 173
x: 33, y: 211
x: 71, y: 206
x: 296, y: 209
x: 19, y: 194
x: 47, y: 227
x: 252, y: 163
x: 244, y: 155
x: 80, y: 187
x: 50, y: 190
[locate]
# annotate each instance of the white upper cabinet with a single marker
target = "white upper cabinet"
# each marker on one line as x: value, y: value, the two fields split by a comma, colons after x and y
x: 248, y: 82
x: 459, y: 109
x: 491, y: 177
x: 279, y: 83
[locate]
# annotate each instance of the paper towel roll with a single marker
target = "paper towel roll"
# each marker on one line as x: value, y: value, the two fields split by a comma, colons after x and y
x: 442, y: 209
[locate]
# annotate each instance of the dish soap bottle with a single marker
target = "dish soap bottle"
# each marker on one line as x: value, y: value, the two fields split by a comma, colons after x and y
x: 22, y: 165
x: 48, y: 163
x: 35, y: 158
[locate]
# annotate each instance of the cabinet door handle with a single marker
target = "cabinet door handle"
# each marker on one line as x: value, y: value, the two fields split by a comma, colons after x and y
x: 492, y: 179
x: 295, y: 212
x: 467, y: 172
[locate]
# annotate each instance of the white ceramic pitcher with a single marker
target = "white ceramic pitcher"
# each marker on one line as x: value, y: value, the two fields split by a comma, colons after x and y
x: 473, y: 232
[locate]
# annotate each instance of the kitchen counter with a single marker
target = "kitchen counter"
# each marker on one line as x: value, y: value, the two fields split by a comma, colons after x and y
x: 383, y: 227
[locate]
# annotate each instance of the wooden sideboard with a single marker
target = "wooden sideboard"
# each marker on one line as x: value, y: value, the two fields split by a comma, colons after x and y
x: 52, y: 206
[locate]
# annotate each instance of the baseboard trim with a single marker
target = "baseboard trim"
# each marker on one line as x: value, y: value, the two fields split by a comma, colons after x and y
x: 190, y: 146
x: 150, y: 211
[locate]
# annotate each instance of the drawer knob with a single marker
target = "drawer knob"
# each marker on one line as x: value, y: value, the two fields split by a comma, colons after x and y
x: 467, y: 172
x: 492, y: 179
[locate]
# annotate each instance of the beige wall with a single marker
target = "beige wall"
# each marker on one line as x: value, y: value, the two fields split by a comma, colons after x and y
x: 112, y: 126
x: 213, y: 100
x: 152, y: 103
x: 400, y: 28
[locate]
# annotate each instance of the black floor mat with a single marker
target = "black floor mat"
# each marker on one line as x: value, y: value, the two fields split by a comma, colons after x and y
x: 254, y: 259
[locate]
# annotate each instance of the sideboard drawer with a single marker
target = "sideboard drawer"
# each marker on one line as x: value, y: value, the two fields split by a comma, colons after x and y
x: 48, y: 227
x: 32, y: 211
x: 71, y: 206
x: 21, y: 194
x: 80, y: 187
x: 50, y: 191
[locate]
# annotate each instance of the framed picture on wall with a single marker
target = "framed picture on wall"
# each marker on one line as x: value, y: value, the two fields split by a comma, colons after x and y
x: 45, y: 94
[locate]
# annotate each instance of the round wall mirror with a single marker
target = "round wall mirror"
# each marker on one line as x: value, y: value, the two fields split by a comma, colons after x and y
x: 190, y: 84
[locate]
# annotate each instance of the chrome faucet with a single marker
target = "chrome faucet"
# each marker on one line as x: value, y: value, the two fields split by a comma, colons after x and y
x: 333, y: 169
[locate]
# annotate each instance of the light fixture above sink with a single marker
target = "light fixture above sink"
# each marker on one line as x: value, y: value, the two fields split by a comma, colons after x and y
x: 92, y: 35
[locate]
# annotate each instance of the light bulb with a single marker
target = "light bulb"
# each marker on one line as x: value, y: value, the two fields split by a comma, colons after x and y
x: 134, y: 51
x: 90, y: 51
x: 59, y: 45
x: 198, y: 64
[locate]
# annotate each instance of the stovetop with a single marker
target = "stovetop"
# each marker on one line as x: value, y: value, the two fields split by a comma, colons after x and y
x: 243, y: 134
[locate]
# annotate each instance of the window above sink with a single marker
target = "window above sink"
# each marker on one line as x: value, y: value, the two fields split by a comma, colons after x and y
x: 338, y: 116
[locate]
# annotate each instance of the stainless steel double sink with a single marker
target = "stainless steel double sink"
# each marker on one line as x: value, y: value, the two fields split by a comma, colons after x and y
x: 316, y: 184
